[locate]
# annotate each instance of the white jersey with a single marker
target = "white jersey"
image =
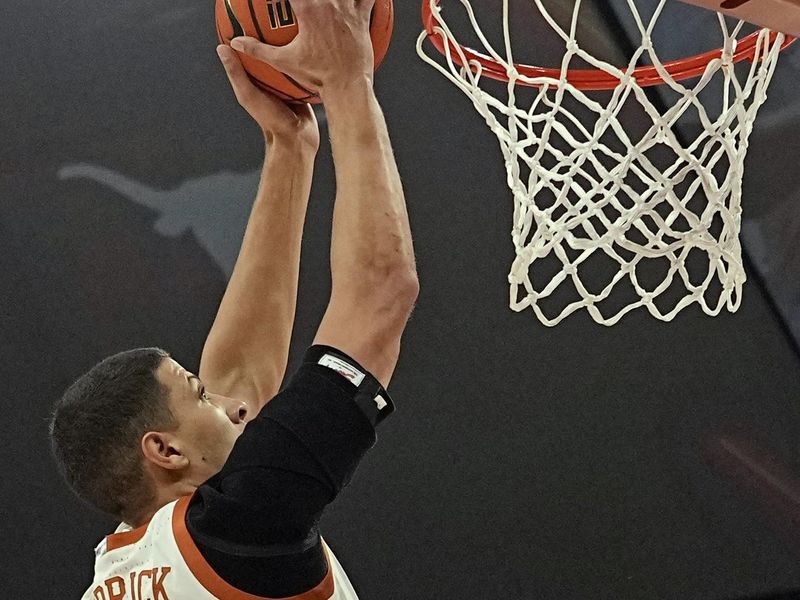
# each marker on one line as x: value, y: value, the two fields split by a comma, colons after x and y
x: 160, y: 561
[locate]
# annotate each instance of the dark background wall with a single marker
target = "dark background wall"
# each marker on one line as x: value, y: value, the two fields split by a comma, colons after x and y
x: 648, y: 460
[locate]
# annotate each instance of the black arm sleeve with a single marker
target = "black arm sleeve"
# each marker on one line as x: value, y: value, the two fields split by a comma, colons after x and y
x: 255, y: 522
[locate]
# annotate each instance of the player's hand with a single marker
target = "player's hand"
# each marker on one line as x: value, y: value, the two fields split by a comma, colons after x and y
x: 278, y: 120
x: 332, y: 48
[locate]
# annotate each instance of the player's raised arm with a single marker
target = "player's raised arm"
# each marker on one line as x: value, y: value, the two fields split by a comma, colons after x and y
x: 374, y: 280
x: 372, y: 257
x: 247, y: 348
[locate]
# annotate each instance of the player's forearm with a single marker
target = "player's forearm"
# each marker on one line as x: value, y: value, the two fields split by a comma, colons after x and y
x: 247, y: 349
x: 371, y: 238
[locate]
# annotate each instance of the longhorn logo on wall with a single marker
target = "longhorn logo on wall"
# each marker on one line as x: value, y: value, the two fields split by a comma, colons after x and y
x: 280, y: 14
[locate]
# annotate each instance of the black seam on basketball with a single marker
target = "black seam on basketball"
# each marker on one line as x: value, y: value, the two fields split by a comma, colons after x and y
x: 238, y: 30
x: 290, y: 81
x: 269, y: 88
x: 305, y: 89
x: 280, y: 93
x: 733, y: 4
x: 283, y: 94
x: 255, y: 21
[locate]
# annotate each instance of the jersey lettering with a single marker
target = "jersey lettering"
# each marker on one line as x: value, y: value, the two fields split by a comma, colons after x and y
x: 153, y: 589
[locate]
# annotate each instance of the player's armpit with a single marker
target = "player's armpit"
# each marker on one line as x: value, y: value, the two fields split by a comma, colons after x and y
x: 240, y: 383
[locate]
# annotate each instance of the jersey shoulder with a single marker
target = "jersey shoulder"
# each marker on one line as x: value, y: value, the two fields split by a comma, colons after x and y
x: 162, y: 560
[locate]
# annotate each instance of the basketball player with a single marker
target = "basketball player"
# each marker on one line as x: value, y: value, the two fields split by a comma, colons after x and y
x: 220, y: 489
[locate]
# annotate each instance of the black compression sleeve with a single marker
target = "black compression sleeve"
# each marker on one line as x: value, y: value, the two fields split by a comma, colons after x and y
x: 256, y: 521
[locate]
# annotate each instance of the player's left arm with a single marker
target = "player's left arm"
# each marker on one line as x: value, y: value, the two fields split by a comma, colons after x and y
x: 246, y: 353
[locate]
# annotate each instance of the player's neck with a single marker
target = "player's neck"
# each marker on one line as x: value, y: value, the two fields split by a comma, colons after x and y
x: 164, y: 494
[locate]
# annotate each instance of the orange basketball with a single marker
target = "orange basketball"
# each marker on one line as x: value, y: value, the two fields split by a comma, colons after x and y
x: 273, y: 22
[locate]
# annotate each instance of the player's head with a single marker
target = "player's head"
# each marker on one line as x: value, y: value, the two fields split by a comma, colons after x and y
x: 138, y: 429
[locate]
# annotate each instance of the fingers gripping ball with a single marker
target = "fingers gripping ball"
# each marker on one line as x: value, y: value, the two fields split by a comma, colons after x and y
x: 273, y: 22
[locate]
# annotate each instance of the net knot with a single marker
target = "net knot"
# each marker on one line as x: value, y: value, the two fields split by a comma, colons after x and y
x: 627, y: 80
x: 573, y: 47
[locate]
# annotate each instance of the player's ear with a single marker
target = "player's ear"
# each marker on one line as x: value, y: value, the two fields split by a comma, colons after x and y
x: 163, y: 450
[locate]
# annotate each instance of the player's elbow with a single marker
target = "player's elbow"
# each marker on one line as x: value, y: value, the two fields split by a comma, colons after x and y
x: 406, y: 286
x: 382, y: 298
x: 396, y: 285
x: 399, y: 293
x: 390, y: 299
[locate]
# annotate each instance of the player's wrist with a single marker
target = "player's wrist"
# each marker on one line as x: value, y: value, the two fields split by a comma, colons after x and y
x: 344, y: 90
x: 290, y: 142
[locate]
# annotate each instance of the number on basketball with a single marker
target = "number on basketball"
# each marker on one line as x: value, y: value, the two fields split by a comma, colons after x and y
x: 280, y: 14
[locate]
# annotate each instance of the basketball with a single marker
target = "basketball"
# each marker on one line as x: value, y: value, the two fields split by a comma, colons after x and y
x: 273, y: 22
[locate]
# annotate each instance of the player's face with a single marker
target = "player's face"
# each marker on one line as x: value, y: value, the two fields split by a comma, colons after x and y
x: 208, y: 424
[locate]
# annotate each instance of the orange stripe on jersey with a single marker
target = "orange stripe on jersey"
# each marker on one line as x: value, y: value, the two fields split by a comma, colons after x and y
x: 126, y: 538
x: 213, y: 582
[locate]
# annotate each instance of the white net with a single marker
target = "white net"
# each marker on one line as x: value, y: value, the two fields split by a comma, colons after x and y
x: 608, y: 217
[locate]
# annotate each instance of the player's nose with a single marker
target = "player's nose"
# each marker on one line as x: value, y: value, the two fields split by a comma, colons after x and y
x: 237, y: 412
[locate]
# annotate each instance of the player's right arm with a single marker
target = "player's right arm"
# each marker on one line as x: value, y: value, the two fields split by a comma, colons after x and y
x: 374, y: 280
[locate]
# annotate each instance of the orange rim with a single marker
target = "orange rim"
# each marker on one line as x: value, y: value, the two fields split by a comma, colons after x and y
x: 591, y: 79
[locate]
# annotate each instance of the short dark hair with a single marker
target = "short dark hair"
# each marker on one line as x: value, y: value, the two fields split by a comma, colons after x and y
x: 97, y: 426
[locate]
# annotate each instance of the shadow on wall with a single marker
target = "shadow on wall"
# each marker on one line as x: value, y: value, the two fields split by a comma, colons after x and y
x: 209, y: 207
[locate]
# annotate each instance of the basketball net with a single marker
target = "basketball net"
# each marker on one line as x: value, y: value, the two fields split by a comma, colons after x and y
x: 585, y: 188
